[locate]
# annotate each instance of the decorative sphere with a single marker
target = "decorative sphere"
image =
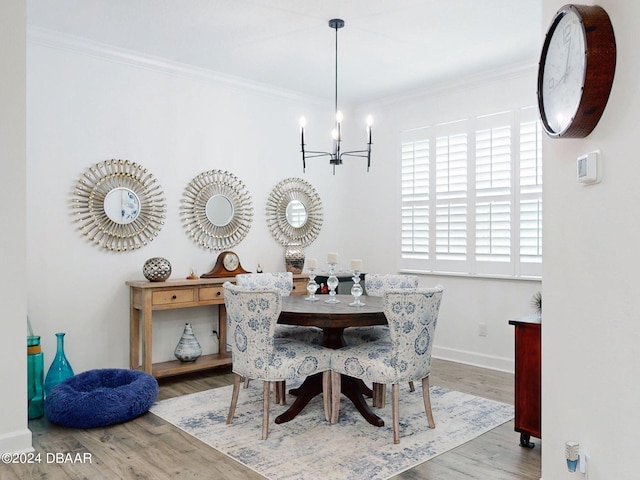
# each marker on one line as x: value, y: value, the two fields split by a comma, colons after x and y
x: 157, y: 269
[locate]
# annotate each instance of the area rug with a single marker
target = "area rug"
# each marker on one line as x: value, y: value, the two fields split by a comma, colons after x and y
x: 309, y: 448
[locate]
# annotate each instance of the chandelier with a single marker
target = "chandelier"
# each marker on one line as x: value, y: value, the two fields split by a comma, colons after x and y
x: 335, y: 156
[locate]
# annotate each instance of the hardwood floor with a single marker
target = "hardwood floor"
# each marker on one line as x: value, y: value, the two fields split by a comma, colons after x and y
x: 150, y: 448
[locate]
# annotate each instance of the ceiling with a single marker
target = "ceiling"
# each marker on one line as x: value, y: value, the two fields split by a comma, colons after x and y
x: 386, y: 46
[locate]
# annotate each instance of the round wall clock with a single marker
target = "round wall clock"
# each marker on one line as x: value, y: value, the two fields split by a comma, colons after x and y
x: 576, y: 70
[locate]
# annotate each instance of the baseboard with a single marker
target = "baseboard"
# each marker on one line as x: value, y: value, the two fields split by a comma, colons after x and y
x: 475, y: 359
x: 16, y: 442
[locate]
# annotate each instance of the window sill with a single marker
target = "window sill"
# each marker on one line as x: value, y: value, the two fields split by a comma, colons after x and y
x: 471, y: 275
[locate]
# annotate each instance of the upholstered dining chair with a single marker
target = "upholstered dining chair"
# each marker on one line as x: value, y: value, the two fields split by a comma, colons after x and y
x: 375, y: 285
x: 412, y: 315
x: 283, y: 281
x: 256, y: 352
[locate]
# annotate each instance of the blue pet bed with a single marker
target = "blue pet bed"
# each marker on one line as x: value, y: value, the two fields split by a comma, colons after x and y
x: 97, y: 398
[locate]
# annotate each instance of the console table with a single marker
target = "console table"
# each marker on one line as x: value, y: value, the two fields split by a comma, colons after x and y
x: 527, y: 378
x: 147, y: 297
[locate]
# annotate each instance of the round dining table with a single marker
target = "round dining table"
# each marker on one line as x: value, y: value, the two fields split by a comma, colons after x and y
x: 332, y: 318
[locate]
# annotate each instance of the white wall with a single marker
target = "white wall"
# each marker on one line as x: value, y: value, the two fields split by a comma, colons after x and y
x: 591, y: 321
x: 14, y: 434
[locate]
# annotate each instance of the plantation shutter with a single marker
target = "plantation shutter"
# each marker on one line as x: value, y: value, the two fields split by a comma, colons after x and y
x: 493, y: 176
x: 451, y: 158
x: 530, y: 248
x: 472, y: 196
x: 415, y: 199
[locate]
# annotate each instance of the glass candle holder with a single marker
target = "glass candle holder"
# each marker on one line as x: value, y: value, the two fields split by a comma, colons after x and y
x: 356, y: 290
x: 312, y: 286
x: 332, y: 283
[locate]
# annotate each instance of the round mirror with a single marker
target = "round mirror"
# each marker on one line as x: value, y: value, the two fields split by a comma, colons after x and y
x: 119, y: 205
x: 296, y: 213
x: 216, y: 210
x: 122, y: 205
x: 219, y: 210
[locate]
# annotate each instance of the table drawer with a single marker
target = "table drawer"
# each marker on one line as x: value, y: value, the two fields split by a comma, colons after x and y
x: 211, y: 293
x: 167, y: 297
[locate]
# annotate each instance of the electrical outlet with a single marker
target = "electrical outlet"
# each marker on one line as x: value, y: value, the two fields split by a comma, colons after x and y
x: 482, y: 329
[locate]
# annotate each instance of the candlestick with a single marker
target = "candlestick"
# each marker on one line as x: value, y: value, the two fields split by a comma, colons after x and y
x: 356, y: 289
x: 332, y: 258
x: 332, y: 282
x: 312, y: 286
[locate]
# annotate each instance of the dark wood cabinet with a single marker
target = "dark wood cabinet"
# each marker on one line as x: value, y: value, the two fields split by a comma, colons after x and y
x: 527, y: 378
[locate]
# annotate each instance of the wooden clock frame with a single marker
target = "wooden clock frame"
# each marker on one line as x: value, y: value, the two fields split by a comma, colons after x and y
x: 219, y: 270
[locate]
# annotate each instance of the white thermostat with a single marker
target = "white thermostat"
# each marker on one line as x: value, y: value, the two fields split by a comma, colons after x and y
x: 588, y: 171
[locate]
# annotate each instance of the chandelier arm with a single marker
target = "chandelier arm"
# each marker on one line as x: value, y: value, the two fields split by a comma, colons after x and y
x: 316, y: 154
x: 359, y: 153
x: 355, y: 153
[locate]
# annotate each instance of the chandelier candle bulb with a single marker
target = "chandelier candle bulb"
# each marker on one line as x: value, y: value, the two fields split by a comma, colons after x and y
x: 332, y: 258
x: 356, y: 265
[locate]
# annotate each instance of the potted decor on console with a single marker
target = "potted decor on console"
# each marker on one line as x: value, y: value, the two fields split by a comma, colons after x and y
x: 188, y: 349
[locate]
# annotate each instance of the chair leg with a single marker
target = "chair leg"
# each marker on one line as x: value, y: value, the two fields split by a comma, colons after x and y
x: 395, y: 411
x: 281, y: 392
x: 234, y: 397
x: 427, y: 402
x: 335, y: 396
x: 265, y: 409
x: 246, y: 382
x: 379, y: 394
x: 412, y: 387
x: 326, y: 394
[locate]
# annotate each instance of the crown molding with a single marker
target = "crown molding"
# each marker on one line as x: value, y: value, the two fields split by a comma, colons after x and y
x: 84, y: 46
x: 453, y: 85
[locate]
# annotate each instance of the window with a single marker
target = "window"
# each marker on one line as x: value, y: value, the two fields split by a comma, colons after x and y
x: 472, y: 196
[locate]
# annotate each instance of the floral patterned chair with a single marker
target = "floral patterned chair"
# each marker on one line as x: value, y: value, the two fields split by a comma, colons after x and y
x: 258, y: 354
x: 406, y: 356
x: 283, y: 281
x: 375, y: 285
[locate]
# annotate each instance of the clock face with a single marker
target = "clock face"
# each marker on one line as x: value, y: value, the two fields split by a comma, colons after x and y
x: 563, y: 72
x: 230, y: 262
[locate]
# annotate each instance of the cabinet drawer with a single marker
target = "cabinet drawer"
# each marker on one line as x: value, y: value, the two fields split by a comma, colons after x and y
x: 211, y: 293
x: 166, y: 297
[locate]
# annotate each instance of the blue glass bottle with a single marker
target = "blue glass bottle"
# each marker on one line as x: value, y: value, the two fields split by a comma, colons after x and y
x: 35, y: 377
x: 60, y: 368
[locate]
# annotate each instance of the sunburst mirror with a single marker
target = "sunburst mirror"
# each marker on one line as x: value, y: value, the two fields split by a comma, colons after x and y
x: 119, y: 205
x: 216, y: 210
x: 294, y: 212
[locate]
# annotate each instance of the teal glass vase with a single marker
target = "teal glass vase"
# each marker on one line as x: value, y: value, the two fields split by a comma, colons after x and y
x: 35, y: 377
x: 60, y: 368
